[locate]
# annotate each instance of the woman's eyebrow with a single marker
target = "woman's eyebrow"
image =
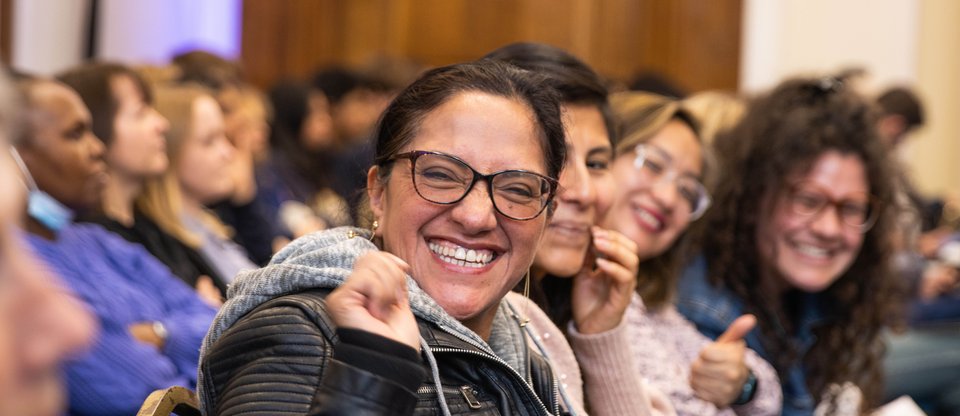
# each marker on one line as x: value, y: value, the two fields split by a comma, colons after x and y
x: 602, y: 150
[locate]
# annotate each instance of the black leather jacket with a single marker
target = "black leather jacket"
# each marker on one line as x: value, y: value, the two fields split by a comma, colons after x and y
x: 278, y: 359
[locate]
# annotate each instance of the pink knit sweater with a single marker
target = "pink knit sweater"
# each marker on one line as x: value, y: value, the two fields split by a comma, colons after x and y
x: 609, y: 379
x: 665, y: 344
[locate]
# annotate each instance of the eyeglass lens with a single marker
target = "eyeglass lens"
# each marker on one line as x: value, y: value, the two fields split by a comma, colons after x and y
x: 658, y: 165
x: 443, y: 179
x: 853, y: 212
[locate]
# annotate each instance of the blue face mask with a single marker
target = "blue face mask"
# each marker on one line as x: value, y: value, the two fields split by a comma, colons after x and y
x: 42, y: 207
x: 48, y: 211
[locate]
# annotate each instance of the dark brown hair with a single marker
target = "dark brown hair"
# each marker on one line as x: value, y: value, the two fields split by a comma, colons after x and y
x: 903, y: 102
x: 92, y: 82
x: 782, y: 134
x: 576, y: 82
x: 401, y: 120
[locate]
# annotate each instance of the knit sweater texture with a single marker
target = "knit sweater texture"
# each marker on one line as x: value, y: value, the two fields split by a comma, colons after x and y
x: 665, y: 345
x: 596, y: 371
x: 123, y: 285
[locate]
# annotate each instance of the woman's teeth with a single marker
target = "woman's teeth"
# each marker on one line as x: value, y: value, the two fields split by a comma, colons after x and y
x: 649, y: 219
x: 812, y: 251
x: 461, y: 256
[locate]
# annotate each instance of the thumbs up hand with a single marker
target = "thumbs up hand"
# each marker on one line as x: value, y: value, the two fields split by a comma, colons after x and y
x: 719, y: 372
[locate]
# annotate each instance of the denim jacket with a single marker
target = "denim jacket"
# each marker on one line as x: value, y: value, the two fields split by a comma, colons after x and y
x: 714, y: 308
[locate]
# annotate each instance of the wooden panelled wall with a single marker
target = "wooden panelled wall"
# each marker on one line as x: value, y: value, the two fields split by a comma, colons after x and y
x: 695, y: 42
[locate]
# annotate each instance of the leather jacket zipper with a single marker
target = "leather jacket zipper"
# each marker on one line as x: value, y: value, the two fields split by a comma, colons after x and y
x: 470, y: 397
x: 468, y: 393
x: 512, y: 371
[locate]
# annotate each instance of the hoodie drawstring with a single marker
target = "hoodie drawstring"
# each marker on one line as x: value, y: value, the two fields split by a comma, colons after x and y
x: 436, y: 376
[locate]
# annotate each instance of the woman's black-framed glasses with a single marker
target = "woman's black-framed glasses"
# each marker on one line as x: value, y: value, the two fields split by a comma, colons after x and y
x: 445, y: 179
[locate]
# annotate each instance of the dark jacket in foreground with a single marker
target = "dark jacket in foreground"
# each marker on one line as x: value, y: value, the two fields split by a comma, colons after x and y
x: 274, y: 350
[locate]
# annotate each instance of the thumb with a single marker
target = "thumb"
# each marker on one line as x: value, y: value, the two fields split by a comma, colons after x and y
x: 738, y: 329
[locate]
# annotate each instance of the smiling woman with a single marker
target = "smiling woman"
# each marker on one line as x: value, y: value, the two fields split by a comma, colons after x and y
x: 583, y: 275
x: 799, y: 236
x: 413, y: 322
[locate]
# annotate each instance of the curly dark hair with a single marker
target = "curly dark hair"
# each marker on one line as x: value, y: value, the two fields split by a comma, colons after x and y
x: 782, y: 134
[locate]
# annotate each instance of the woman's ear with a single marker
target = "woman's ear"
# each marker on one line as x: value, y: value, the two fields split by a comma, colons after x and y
x: 375, y: 191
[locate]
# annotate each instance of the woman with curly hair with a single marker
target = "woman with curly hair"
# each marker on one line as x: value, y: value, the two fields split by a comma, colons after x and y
x: 798, y: 236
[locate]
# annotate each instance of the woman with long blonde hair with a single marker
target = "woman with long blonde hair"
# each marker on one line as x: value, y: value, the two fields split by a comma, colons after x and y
x: 199, y: 175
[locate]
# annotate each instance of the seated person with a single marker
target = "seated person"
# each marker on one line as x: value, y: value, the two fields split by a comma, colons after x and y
x: 199, y: 175
x: 125, y: 120
x: 41, y: 325
x: 151, y: 323
x: 798, y: 235
x: 414, y: 321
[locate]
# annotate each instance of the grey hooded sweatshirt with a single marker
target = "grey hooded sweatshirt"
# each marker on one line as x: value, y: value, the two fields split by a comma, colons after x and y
x: 324, y: 260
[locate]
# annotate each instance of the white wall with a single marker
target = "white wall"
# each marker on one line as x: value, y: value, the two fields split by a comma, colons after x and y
x: 783, y: 38
x: 934, y: 152
x: 151, y: 31
x: 50, y: 35
x: 908, y: 42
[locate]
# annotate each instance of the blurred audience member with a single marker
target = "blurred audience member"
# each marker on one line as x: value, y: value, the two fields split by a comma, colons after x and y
x: 356, y: 99
x: 657, y: 83
x: 246, y: 118
x: 716, y: 111
x: 207, y: 69
x: 41, y: 324
x: 151, y: 323
x: 577, y: 321
x: 799, y: 236
x: 355, y: 102
x: 922, y: 362
x: 246, y: 121
x: 124, y: 119
x: 293, y: 183
x: 660, y: 168
x: 199, y: 175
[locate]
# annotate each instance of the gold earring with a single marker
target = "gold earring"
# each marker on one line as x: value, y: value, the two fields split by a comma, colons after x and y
x: 526, y: 286
x: 524, y: 320
x: 373, y: 229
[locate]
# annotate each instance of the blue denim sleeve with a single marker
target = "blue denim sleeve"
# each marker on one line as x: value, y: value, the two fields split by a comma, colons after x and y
x: 710, y: 308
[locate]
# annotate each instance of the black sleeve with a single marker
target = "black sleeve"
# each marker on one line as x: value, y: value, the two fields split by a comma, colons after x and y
x: 286, y: 357
x: 268, y: 363
x: 369, y: 375
x: 253, y: 230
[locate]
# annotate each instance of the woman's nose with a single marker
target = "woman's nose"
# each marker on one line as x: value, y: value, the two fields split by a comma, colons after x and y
x: 827, y: 222
x: 576, y: 187
x: 664, y: 191
x: 476, y: 212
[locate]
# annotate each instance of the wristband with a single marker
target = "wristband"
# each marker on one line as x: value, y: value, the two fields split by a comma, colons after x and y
x: 749, y: 390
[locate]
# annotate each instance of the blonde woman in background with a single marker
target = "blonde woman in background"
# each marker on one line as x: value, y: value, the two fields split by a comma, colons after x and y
x: 715, y: 111
x: 199, y: 175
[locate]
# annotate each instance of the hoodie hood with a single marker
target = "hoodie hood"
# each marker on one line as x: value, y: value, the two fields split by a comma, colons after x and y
x: 325, y: 259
